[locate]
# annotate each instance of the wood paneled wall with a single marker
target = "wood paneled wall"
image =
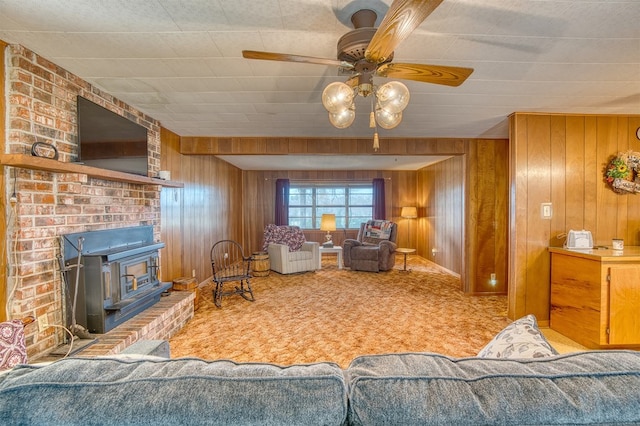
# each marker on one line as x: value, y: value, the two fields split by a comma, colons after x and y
x: 209, y: 208
x: 198, y: 145
x: 561, y: 159
x: 463, y: 215
x: 441, y: 213
x: 486, y: 215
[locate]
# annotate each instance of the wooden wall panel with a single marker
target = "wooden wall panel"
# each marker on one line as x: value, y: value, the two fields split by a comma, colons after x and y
x: 208, y: 208
x: 193, y: 145
x: 574, y: 214
x: 405, y: 195
x: 171, y: 204
x: 448, y: 209
x: 561, y: 159
x: 486, y: 212
x: 517, y: 216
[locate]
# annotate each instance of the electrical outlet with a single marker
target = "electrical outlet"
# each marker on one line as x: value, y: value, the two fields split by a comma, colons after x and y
x: 493, y: 280
x: 42, y: 323
x: 193, y: 273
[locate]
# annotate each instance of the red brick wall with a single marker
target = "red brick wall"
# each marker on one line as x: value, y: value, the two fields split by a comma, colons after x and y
x: 42, y: 107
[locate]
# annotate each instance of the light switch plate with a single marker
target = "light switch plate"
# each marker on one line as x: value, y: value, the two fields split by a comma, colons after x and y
x: 546, y: 210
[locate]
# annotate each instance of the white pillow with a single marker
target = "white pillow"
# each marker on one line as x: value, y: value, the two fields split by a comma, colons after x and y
x: 520, y: 339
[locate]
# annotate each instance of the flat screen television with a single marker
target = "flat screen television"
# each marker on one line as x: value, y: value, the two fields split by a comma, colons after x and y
x: 110, y: 141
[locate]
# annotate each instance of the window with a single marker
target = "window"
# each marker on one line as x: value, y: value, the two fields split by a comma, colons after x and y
x: 351, y: 203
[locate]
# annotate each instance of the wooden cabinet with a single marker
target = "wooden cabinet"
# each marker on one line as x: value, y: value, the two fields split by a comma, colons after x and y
x: 595, y: 296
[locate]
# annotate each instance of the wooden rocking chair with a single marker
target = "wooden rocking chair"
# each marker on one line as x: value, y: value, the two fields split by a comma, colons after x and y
x: 230, y: 264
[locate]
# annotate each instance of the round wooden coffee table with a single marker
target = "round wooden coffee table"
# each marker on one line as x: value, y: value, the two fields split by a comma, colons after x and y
x: 405, y: 252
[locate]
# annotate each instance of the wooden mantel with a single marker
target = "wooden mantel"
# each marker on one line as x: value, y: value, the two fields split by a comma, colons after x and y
x: 46, y: 164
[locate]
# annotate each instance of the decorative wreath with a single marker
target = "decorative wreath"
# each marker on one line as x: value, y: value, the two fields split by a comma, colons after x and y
x: 623, y: 173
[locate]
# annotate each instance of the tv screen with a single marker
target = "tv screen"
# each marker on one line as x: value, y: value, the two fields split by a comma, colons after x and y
x: 110, y: 141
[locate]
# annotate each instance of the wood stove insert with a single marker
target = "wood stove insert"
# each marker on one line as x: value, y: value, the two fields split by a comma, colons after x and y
x: 117, y: 277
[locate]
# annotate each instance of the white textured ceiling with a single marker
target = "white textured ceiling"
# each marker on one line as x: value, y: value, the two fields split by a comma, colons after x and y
x: 180, y: 61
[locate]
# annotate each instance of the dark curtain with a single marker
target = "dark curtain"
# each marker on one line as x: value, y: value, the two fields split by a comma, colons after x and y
x: 378, y: 199
x: 282, y: 201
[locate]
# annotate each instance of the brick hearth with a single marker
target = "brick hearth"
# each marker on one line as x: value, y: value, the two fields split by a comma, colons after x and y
x: 159, y: 322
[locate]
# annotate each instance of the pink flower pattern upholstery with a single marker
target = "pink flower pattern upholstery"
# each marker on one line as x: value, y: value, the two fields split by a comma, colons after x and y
x: 291, y: 236
x: 12, y: 345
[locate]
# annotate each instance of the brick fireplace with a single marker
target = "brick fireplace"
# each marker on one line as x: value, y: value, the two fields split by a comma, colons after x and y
x: 41, y: 107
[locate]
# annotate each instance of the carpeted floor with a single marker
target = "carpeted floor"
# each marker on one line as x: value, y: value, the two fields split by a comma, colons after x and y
x: 336, y: 315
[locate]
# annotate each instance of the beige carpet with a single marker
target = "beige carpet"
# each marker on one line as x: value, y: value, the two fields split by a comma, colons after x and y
x: 336, y: 315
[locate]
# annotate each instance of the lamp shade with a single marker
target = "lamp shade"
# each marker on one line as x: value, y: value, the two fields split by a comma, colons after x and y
x: 409, y: 212
x: 328, y: 222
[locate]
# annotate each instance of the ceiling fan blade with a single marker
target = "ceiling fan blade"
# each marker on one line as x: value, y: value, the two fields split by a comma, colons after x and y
x: 437, y: 74
x: 271, y: 56
x: 403, y: 17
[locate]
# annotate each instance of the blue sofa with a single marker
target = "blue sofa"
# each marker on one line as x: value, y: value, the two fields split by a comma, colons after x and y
x: 595, y: 387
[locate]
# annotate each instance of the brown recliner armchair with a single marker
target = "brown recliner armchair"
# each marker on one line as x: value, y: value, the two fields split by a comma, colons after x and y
x: 372, y: 250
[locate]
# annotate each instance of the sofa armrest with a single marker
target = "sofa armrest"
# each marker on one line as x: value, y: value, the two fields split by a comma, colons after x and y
x: 346, y: 250
x: 387, y: 247
x: 314, y: 248
x: 310, y: 246
x: 278, y: 256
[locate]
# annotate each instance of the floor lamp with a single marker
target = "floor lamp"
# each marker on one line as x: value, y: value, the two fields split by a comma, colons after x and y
x: 409, y: 213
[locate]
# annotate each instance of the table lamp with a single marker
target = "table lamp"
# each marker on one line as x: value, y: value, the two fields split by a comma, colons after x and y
x: 328, y: 223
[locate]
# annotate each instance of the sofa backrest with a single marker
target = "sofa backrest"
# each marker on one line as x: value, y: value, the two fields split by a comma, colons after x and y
x: 183, y: 391
x: 594, y: 387
x: 291, y: 236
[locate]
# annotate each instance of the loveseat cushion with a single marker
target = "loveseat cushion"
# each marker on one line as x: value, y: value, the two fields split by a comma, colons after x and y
x: 597, y: 387
x: 173, y: 392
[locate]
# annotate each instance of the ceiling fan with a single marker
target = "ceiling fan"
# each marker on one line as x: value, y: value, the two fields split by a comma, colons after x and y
x: 367, y: 51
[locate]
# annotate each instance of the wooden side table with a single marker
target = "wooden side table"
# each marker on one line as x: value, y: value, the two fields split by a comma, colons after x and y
x: 405, y: 252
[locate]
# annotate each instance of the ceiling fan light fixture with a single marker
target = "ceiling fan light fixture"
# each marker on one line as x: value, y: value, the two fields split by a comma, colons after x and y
x: 337, y: 97
x: 387, y: 120
x: 393, y: 96
x: 342, y: 119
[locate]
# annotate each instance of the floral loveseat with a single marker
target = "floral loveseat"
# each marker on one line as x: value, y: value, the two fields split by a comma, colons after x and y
x: 522, y: 382
x: 289, y: 251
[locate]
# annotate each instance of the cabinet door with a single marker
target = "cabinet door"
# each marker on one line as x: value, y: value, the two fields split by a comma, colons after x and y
x: 624, y: 305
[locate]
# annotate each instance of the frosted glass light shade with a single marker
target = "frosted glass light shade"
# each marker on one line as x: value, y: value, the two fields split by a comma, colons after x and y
x: 386, y: 119
x: 393, y: 96
x: 342, y: 119
x: 337, y: 97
